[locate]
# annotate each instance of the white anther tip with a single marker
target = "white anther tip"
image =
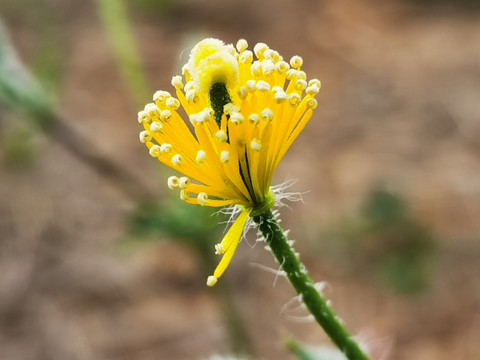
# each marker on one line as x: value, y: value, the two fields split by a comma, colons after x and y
x: 211, y: 280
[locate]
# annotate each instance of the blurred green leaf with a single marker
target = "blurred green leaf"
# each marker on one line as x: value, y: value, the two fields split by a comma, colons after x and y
x: 114, y: 15
x: 18, y: 89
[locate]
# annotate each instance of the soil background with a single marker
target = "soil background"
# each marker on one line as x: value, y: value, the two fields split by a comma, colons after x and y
x: 398, y: 117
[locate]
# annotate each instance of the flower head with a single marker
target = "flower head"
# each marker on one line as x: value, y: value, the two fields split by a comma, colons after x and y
x: 245, y: 113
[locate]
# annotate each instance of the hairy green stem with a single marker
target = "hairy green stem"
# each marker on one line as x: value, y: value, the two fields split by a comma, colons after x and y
x: 305, y: 288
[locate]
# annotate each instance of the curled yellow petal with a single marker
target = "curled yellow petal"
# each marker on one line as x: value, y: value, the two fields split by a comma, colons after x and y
x: 229, y: 245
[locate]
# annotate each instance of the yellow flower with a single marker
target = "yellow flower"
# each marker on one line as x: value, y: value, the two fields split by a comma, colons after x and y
x: 244, y: 115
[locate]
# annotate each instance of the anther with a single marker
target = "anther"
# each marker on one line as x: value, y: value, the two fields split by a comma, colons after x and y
x: 242, y: 45
x: 256, y: 68
x: 173, y: 182
x: 161, y: 96
x: 165, y: 114
x: 211, y: 280
x: 152, y: 110
x: 315, y: 82
x: 268, y: 67
x: 282, y: 67
x: 312, y: 103
x: 237, y: 118
x: 143, y: 117
x: 242, y: 93
x: 221, y: 136
x: 254, y: 119
x: 177, y: 82
x: 230, y: 109
x: 172, y: 103
x: 145, y: 136
x: 294, y: 99
x: 255, y: 145
x: 191, y: 96
x: 301, y: 75
x: 312, y: 90
x: 267, y: 115
x: 201, y: 155
x: 224, y: 156
x: 280, y: 97
x: 219, y: 249
x: 202, y: 198
x: 263, y: 86
x: 246, y: 57
x: 155, y: 126
x: 259, y: 49
x: 300, y: 85
x: 251, y: 85
x: 296, y: 62
x: 165, y: 148
x: 177, y: 159
x: 183, y: 182
x: 154, y: 151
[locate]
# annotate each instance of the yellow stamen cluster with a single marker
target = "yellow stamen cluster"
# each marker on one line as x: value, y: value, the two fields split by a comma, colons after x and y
x: 229, y: 158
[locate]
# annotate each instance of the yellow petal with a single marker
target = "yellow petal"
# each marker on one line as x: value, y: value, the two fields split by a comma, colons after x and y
x: 229, y: 244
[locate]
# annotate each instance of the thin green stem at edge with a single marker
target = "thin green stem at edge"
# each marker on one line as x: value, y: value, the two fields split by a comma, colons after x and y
x: 305, y: 288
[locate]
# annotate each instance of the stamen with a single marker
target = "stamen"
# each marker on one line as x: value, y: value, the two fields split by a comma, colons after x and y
x: 173, y: 182
x: 259, y: 49
x: 155, y: 126
x: 263, y: 86
x: 296, y: 62
x: 246, y: 57
x: 177, y: 159
x: 211, y: 280
x: 165, y: 115
x: 256, y: 68
x: 315, y: 82
x: 221, y: 136
x: 202, y: 198
x: 201, y: 155
x: 143, y: 117
x: 224, y: 156
x: 267, y: 115
x: 312, y: 90
x: 177, y: 82
x: 219, y: 249
x: 300, y: 85
x: 183, y: 182
x: 236, y: 118
x: 165, y: 148
x: 256, y: 145
x: 172, y: 103
x: 242, y: 45
x: 294, y: 99
x: 145, y: 136
x: 254, y: 119
x: 160, y: 96
x: 280, y: 97
x: 251, y: 85
x: 312, y: 103
x: 152, y: 110
x: 282, y: 67
x: 154, y: 151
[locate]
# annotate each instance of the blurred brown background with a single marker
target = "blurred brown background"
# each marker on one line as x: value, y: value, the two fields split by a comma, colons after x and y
x: 389, y: 166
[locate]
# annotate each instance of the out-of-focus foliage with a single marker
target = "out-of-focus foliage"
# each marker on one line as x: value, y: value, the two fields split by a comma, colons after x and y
x: 18, y: 89
x: 384, y: 238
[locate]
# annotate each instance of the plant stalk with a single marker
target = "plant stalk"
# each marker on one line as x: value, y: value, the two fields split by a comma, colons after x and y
x: 305, y: 288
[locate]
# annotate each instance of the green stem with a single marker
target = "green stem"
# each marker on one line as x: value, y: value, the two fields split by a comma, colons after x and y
x: 305, y: 288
